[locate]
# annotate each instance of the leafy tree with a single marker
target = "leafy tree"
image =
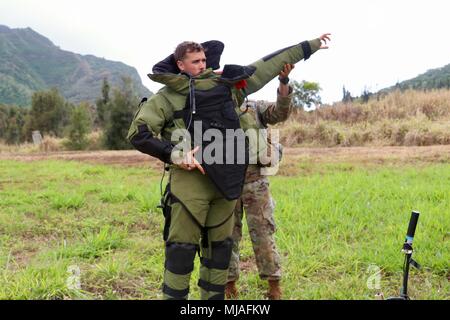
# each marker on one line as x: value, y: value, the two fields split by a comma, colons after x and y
x: 49, y: 113
x: 12, y: 123
x: 103, y: 104
x: 346, y: 95
x: 365, y: 96
x: 3, y: 120
x: 306, y: 94
x: 105, y: 91
x: 79, y: 127
x: 123, y: 103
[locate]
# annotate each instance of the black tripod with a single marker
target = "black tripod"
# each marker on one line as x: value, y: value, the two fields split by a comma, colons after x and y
x: 409, y: 261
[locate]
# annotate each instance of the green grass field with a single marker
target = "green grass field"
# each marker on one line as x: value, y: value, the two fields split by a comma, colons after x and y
x: 337, y: 223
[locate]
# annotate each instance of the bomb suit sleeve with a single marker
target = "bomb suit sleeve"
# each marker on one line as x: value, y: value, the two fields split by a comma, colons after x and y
x: 147, y: 124
x: 269, y: 66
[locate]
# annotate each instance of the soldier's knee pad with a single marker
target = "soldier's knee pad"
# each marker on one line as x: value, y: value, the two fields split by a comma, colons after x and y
x: 180, y: 257
x: 221, y: 255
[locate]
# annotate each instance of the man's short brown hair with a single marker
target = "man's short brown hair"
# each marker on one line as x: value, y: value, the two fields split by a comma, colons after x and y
x: 186, y: 47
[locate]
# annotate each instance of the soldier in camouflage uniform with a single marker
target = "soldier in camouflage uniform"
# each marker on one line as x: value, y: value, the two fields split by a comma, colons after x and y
x: 258, y: 202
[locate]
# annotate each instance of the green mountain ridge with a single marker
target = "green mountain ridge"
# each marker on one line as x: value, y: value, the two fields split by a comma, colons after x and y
x: 432, y: 79
x: 31, y: 62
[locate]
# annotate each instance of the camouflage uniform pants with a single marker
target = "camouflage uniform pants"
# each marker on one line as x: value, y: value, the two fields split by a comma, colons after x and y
x: 259, y: 211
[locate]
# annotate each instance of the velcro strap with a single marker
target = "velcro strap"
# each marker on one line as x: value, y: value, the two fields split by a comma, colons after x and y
x: 205, y: 285
x: 180, y: 113
x: 306, y: 49
x: 220, y: 296
x: 205, y: 242
x: 211, y: 264
x: 177, y: 294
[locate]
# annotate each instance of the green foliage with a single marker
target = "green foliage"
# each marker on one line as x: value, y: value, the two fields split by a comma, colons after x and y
x: 12, y: 92
x: 123, y: 103
x: 49, y: 113
x: 306, y: 94
x: 12, y: 124
x: 30, y: 62
x: 103, y: 105
x: 342, y: 219
x: 346, y: 95
x: 79, y: 127
x: 47, y: 281
x: 95, y: 245
x: 438, y: 78
x: 105, y: 91
x: 66, y: 200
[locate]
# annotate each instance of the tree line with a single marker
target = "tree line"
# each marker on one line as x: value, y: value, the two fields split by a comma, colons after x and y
x: 52, y: 115
x: 112, y: 113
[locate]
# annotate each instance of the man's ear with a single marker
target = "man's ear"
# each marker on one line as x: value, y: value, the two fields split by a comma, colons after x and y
x: 180, y: 65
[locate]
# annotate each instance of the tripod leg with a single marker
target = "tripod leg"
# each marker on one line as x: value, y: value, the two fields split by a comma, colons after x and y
x: 404, y: 291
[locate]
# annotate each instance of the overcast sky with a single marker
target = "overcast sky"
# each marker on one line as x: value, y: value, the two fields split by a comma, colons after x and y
x: 374, y: 43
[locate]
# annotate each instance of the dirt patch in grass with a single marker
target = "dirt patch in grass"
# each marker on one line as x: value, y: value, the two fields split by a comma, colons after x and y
x: 20, y: 256
x: 122, y: 158
x: 289, y: 166
x: 376, y: 155
x: 308, y: 160
x: 120, y: 288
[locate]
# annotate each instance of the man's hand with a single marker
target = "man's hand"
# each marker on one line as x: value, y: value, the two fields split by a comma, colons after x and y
x: 190, y: 163
x: 283, y: 88
x: 286, y: 70
x: 324, y: 38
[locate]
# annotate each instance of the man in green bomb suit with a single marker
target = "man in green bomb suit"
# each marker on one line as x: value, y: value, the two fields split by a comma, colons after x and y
x: 186, y: 125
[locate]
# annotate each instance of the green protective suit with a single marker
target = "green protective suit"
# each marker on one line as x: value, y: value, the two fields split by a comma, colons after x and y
x: 198, y: 217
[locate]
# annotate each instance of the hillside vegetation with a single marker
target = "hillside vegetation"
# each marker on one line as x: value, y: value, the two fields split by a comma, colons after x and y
x: 30, y: 62
x: 432, y: 79
x: 410, y: 118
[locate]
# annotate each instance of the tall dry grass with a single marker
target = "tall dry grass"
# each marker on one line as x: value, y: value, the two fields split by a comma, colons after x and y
x: 52, y: 144
x: 411, y: 118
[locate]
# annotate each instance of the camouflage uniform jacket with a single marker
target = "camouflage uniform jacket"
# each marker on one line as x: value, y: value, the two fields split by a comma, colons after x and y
x: 258, y: 116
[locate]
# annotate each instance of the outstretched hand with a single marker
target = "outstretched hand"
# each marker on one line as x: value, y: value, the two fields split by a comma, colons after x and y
x: 323, y: 38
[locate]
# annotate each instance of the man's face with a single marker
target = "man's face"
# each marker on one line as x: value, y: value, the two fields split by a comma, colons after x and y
x: 193, y: 63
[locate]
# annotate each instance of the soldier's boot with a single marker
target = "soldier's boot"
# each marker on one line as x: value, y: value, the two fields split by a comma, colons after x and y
x: 274, y: 292
x: 231, y: 291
